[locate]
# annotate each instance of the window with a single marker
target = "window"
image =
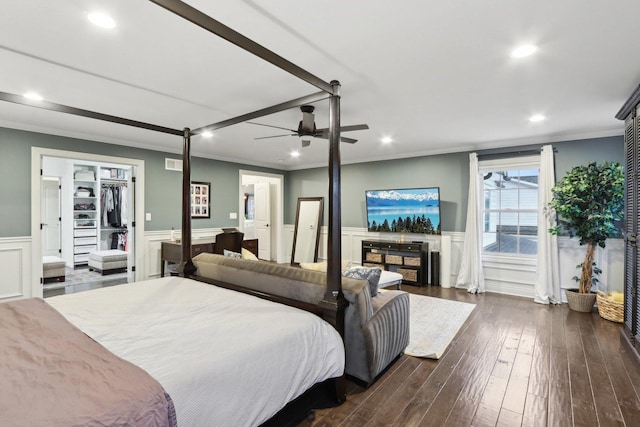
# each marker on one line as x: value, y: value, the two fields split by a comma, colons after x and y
x: 510, y: 211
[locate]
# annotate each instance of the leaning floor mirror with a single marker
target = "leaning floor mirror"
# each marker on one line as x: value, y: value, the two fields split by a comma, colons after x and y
x: 306, y: 235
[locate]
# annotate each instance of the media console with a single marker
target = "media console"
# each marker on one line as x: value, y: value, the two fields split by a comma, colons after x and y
x: 409, y: 259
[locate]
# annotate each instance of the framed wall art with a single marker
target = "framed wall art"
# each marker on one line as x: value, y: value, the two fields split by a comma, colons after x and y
x: 200, y: 199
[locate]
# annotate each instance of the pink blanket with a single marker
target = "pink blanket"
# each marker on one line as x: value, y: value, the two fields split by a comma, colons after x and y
x: 52, y: 374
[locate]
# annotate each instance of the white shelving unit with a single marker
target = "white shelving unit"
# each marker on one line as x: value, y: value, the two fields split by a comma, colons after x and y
x: 85, y: 212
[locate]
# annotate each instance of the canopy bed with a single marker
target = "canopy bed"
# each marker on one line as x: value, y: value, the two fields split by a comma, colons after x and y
x: 153, y: 301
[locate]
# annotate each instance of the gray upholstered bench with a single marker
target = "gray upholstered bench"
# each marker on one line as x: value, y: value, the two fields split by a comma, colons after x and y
x: 108, y: 262
x: 53, y: 269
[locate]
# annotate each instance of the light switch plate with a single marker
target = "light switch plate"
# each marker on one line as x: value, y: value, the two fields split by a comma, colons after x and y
x: 233, y: 215
x: 147, y: 216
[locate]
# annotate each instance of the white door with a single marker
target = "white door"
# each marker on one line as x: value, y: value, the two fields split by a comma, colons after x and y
x: 262, y: 222
x: 51, y: 220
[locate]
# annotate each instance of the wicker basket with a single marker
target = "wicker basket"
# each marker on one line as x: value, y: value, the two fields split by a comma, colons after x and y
x: 610, y: 310
x: 580, y: 302
x: 394, y: 259
x: 371, y: 265
x: 374, y: 257
x: 408, y: 275
x: 412, y: 261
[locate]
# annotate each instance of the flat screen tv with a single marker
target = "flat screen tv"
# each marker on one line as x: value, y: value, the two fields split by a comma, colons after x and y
x: 410, y: 210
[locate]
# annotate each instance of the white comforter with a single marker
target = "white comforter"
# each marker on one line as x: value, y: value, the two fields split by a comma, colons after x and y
x: 225, y: 358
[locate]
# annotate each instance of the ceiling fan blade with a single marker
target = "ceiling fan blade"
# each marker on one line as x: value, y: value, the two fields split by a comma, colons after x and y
x: 342, y: 138
x: 306, y: 143
x: 346, y: 128
x: 277, y: 136
x: 353, y: 127
x: 349, y: 140
x: 271, y: 126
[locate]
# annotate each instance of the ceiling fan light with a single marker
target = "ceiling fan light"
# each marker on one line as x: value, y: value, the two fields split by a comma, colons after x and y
x: 536, y: 118
x: 207, y: 134
x: 386, y: 140
x: 295, y: 153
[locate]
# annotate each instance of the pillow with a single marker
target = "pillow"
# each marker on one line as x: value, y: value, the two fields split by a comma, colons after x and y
x: 232, y: 254
x: 315, y: 266
x: 372, y: 275
x: 247, y: 254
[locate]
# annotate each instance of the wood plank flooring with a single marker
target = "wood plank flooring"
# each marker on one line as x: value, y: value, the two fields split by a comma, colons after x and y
x: 513, y: 363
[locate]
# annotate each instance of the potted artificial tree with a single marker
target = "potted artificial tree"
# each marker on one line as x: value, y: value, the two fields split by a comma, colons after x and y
x: 588, y: 201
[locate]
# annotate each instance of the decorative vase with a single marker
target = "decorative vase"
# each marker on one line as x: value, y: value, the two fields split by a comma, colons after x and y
x: 580, y: 302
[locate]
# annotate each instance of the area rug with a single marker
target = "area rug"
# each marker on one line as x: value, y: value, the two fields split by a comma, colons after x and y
x: 434, y: 322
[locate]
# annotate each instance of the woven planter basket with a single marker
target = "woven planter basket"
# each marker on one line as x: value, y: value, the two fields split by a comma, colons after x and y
x: 610, y: 310
x: 580, y: 302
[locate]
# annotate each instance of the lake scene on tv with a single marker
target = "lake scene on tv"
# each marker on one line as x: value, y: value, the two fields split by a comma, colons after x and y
x: 413, y: 210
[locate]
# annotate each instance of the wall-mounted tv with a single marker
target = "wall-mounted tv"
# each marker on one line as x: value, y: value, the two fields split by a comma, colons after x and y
x: 410, y: 210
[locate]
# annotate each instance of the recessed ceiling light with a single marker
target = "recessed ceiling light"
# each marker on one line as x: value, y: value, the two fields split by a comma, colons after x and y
x: 386, y: 140
x: 207, y: 134
x: 295, y: 153
x: 101, y: 20
x: 33, y: 96
x: 524, y: 50
x: 537, y: 118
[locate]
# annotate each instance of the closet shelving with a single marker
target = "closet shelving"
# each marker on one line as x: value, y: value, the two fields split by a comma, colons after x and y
x: 85, y: 212
x: 93, y: 229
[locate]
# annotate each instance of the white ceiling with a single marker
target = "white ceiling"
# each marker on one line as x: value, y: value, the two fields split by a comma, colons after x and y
x: 436, y: 76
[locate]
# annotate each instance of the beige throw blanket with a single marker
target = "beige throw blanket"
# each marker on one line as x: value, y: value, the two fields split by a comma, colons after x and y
x: 52, y: 374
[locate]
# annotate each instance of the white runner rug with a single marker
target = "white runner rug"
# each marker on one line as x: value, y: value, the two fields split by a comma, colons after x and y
x: 433, y: 324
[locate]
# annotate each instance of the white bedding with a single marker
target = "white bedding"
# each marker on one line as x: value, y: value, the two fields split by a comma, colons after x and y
x: 225, y: 358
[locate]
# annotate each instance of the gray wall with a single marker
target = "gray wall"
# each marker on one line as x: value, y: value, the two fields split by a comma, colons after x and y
x: 162, y: 188
x: 450, y: 172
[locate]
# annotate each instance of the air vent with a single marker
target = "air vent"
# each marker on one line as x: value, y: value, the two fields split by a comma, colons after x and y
x: 173, y: 165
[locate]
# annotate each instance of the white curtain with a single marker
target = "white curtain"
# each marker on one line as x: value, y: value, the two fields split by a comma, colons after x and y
x: 470, y: 274
x: 547, y: 289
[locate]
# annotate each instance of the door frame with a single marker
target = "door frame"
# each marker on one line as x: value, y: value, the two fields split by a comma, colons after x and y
x: 277, y: 207
x: 37, y: 153
x: 58, y: 181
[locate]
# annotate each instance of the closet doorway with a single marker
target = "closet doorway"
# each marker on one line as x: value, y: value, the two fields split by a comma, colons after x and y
x: 100, y: 212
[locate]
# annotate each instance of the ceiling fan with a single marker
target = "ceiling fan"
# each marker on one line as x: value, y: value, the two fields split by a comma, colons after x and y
x: 307, y: 127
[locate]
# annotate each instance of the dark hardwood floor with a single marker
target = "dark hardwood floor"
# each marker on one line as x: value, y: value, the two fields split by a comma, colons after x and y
x: 513, y: 363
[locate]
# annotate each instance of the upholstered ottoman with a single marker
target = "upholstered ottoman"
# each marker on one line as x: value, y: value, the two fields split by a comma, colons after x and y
x: 108, y: 262
x: 390, y: 278
x: 52, y: 269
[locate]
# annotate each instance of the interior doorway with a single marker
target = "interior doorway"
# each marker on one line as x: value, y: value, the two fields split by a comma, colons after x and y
x: 261, y: 204
x: 100, y: 205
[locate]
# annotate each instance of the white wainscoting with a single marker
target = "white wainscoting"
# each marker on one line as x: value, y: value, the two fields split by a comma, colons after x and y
x: 15, y: 259
x: 510, y: 275
x: 507, y: 275
x: 152, y: 245
x: 503, y: 274
x: 609, y: 259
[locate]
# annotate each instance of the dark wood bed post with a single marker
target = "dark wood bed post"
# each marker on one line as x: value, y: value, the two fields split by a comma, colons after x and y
x: 186, y: 267
x: 333, y: 303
